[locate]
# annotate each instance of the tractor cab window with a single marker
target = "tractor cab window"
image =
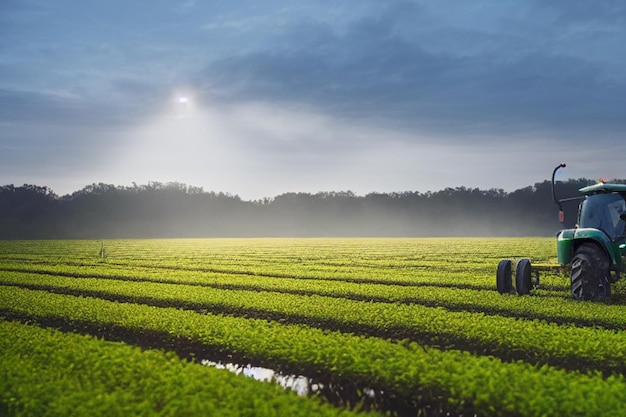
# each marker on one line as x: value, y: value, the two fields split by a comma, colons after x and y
x: 605, y: 212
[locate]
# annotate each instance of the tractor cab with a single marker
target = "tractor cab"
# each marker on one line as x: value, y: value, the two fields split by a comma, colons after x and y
x: 604, y: 210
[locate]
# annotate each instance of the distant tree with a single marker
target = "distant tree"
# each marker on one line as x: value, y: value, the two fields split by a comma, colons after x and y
x: 27, y: 212
x: 174, y: 209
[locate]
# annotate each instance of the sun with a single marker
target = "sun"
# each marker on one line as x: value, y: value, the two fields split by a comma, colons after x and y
x: 183, y: 105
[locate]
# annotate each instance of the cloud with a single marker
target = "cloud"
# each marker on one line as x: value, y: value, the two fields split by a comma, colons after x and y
x: 40, y: 106
x: 610, y: 12
x: 50, y: 107
x: 471, y: 68
x: 371, y: 70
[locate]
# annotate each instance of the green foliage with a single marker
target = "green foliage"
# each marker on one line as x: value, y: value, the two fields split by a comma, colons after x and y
x: 408, y: 369
x: 417, y: 319
x: 506, y: 337
x: 49, y: 373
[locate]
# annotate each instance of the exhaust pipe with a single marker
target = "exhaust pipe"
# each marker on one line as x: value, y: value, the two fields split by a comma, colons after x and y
x: 558, y: 202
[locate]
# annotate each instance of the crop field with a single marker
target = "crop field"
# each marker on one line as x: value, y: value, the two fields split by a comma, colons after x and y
x: 401, y: 327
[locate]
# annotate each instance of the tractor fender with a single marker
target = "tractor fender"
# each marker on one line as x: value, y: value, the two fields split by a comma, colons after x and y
x: 570, y: 239
x: 601, y: 239
x: 565, y: 246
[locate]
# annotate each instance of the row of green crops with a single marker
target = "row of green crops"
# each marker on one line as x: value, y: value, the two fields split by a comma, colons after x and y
x: 462, y: 382
x: 215, y: 276
x: 431, y: 291
x: 505, y: 337
x: 57, y: 374
x: 361, y: 258
x: 417, y: 321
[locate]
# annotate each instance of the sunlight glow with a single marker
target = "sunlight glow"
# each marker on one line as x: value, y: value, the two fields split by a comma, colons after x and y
x: 258, y: 150
x: 183, y: 104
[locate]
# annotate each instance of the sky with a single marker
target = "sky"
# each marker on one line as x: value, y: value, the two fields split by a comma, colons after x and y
x: 257, y: 99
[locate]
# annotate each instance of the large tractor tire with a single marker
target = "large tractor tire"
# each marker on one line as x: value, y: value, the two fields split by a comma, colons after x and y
x: 504, y: 277
x: 590, y: 272
x: 523, y: 282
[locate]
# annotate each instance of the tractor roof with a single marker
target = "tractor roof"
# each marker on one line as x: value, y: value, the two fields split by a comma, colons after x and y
x: 603, y: 187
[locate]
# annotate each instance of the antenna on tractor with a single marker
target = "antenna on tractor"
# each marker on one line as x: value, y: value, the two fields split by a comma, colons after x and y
x: 558, y: 202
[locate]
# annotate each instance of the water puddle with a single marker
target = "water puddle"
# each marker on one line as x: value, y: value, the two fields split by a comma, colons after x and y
x: 300, y: 384
x: 363, y: 398
x: 343, y: 394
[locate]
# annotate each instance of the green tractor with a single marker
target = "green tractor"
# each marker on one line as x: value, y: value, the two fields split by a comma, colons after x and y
x: 595, y: 249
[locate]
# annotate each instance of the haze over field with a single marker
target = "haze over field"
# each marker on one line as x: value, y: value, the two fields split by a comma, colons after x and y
x: 262, y: 98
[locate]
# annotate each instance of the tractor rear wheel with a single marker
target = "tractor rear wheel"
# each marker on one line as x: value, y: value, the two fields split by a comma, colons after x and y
x: 523, y: 282
x: 590, y: 271
x: 504, y: 277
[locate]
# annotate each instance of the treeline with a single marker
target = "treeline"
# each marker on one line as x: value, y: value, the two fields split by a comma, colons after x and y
x: 160, y: 210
